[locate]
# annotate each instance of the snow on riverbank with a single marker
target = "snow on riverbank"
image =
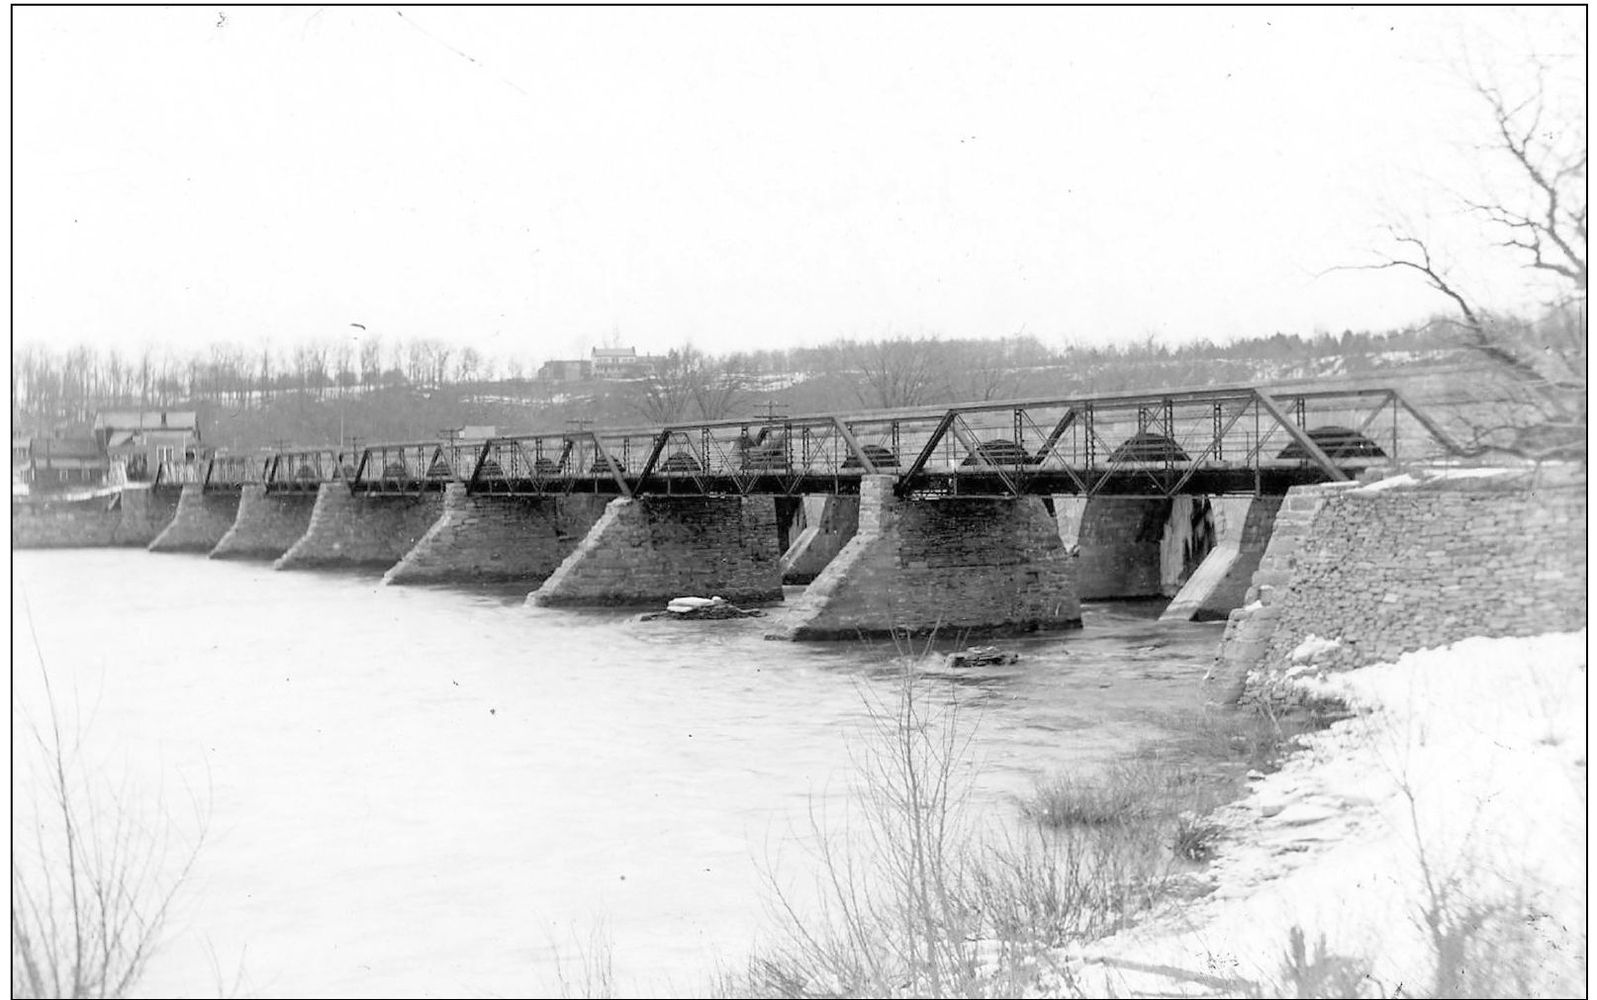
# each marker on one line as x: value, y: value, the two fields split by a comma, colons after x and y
x: 1457, y: 793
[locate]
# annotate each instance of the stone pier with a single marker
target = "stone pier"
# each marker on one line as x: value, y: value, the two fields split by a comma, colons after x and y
x: 647, y: 550
x: 268, y: 524
x: 1219, y: 586
x: 1131, y: 547
x: 483, y: 538
x: 146, y: 511
x: 202, y: 518
x: 830, y: 522
x: 957, y: 566
x: 350, y: 530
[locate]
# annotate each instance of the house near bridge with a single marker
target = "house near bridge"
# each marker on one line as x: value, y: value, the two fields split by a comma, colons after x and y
x: 143, y: 439
x: 59, y: 461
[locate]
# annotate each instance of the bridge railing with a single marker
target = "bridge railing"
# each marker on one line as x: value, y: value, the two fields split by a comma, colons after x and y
x: 1160, y: 443
x: 173, y: 472
x: 1143, y: 442
x: 534, y: 463
x: 230, y: 471
x: 405, y: 468
x: 305, y: 470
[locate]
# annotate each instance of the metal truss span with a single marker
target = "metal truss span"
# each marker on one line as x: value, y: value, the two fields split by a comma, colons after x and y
x: 1237, y: 440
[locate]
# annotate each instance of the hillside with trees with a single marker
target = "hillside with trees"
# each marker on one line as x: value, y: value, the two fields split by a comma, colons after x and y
x: 308, y: 394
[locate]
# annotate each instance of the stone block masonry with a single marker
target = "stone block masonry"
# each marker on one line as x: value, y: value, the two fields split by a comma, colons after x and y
x: 954, y: 566
x: 834, y: 521
x: 1119, y: 545
x: 203, y: 517
x: 484, y: 538
x: 268, y: 524
x: 1386, y: 569
x: 358, y: 530
x: 1242, y: 527
x: 146, y: 511
x: 647, y: 550
x: 60, y: 524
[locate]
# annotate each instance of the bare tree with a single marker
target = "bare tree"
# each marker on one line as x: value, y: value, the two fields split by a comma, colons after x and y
x: 895, y: 373
x: 468, y: 366
x: 344, y: 366
x: 665, y: 396
x: 371, y: 361
x: 719, y: 387
x: 1542, y: 220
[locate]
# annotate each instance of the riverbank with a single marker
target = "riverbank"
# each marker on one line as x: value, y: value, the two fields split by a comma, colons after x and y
x: 1433, y: 843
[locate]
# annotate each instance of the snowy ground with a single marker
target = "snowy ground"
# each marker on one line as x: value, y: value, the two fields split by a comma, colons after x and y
x: 1458, y: 793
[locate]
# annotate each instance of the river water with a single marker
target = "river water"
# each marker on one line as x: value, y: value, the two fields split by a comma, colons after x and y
x: 443, y: 792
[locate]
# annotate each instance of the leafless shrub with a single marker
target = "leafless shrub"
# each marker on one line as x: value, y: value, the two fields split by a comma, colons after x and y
x: 91, y: 883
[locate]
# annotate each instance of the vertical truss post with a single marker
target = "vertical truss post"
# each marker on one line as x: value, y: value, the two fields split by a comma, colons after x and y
x: 1219, y: 435
x: 1393, y: 452
x: 1089, y: 436
x: 1170, y: 434
x: 1258, y: 452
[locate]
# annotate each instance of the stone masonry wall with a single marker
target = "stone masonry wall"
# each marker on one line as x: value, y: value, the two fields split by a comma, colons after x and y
x: 955, y: 565
x: 1242, y: 527
x: 647, y: 550
x: 146, y: 512
x: 485, y: 538
x: 820, y: 542
x: 203, y: 517
x: 267, y: 526
x: 57, y: 524
x: 1388, y: 570
x: 1119, y: 547
x: 360, y: 530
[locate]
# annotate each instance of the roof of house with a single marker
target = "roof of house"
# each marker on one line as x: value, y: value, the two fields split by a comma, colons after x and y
x: 45, y: 447
x: 147, y: 420
x: 616, y: 353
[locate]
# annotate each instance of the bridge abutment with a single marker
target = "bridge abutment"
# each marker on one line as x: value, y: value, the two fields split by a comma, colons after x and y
x: 647, y: 550
x: 831, y: 522
x: 1242, y: 528
x: 483, y: 538
x: 268, y: 524
x: 351, y: 530
x: 146, y: 512
x: 201, y: 519
x: 952, y: 565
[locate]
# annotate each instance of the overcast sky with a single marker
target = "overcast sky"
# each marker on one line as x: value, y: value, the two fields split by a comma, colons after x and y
x: 537, y: 182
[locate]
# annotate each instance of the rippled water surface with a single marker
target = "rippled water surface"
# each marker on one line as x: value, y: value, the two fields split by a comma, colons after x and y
x: 436, y: 792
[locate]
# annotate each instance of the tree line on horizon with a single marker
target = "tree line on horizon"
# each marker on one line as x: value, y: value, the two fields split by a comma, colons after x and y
x: 70, y: 385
